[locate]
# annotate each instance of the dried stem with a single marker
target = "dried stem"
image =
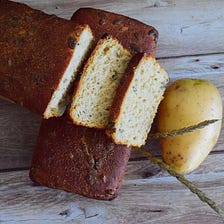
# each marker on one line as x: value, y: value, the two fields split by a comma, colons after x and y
x: 202, y: 196
x: 182, y: 130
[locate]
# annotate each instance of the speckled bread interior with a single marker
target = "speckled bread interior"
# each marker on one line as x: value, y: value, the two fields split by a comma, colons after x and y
x: 137, y: 100
x: 98, y: 84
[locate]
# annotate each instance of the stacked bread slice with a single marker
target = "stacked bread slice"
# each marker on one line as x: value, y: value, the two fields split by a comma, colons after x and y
x: 140, y: 91
x: 113, y: 95
x: 137, y: 100
x: 81, y: 45
x: 98, y: 84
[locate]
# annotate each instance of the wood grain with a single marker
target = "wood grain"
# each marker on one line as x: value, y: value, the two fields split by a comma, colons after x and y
x: 185, y: 27
x: 142, y: 169
x: 156, y: 199
x: 190, y: 45
x: 19, y: 127
x: 18, y: 133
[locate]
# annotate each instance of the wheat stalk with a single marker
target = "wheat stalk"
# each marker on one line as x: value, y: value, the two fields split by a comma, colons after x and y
x: 182, y: 130
x: 191, y: 186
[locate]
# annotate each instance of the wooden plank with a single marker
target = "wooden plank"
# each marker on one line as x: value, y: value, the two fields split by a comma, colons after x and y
x: 19, y: 127
x: 18, y: 133
x: 143, y: 169
x: 158, y: 199
x: 185, y: 27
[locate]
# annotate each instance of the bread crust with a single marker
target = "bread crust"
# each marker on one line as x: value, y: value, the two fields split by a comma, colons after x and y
x: 36, y: 49
x: 78, y: 159
x: 134, y: 35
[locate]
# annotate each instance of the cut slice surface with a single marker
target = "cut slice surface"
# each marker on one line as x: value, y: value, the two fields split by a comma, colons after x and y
x: 60, y: 97
x: 137, y: 101
x: 98, y: 84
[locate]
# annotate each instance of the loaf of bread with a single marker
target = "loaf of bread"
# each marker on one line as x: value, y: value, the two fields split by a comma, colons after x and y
x: 39, y: 57
x: 78, y: 159
x: 134, y: 35
x: 98, y: 84
x: 136, y: 101
x: 84, y: 160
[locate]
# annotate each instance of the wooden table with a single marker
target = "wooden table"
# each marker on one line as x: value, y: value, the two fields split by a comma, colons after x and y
x: 191, y: 44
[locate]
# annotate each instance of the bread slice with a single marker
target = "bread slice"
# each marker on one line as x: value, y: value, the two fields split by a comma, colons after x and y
x: 136, y: 102
x: 98, y: 84
x: 134, y: 35
x: 60, y: 98
x: 39, y: 58
x: 78, y: 159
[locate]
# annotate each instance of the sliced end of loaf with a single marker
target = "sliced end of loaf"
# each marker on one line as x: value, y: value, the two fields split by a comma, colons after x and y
x: 98, y: 84
x: 83, y: 41
x: 139, y: 99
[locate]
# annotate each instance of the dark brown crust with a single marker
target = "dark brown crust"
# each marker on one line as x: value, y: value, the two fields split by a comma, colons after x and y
x: 134, y: 35
x: 35, y: 51
x: 78, y: 159
x: 122, y: 91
